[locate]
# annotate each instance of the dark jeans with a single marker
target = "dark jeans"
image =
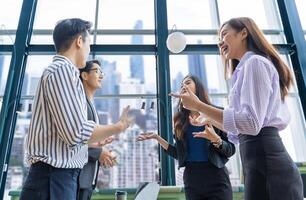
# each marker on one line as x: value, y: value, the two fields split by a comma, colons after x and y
x: 45, y: 182
x: 204, y: 181
x: 269, y: 172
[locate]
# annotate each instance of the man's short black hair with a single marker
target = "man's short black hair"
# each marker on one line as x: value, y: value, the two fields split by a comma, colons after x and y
x: 67, y: 30
x: 88, y: 66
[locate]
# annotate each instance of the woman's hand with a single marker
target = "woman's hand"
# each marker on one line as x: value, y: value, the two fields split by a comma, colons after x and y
x: 107, y: 159
x: 146, y: 136
x: 209, y: 133
x: 198, y: 120
x: 189, y: 100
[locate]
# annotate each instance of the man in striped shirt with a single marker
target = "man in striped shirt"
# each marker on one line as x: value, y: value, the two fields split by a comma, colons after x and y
x: 59, y: 132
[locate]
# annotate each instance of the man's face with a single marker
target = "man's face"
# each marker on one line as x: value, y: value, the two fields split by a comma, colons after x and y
x: 84, y: 50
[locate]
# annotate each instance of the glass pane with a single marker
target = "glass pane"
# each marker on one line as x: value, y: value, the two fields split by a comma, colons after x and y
x: 294, y: 135
x: 213, y: 39
x: 4, y: 68
x: 300, y: 4
x: 47, y: 39
x: 287, y: 60
x: 9, y: 16
x: 264, y: 13
x: 17, y: 167
x: 125, y: 39
x: 135, y: 74
x: 202, y: 39
x: 207, y: 67
x: 134, y: 14
x: 137, y: 161
x: 67, y: 9
x: 197, y: 16
x: 34, y: 70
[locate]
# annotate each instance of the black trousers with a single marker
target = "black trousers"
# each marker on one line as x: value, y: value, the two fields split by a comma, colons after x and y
x: 45, y: 182
x: 269, y: 172
x: 204, y: 181
x: 84, y: 194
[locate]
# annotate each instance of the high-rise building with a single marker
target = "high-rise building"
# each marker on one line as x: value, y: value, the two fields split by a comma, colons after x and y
x: 176, y: 87
x: 197, y: 67
x: 136, y: 61
x: 109, y: 86
x: 131, y: 86
x: 137, y: 159
x: 176, y: 82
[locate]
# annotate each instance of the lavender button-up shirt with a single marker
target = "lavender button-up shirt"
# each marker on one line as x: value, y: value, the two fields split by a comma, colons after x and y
x: 254, y: 99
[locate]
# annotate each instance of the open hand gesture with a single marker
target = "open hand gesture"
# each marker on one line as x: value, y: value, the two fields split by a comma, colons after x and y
x: 107, y: 159
x: 102, y: 143
x: 146, y: 136
x: 189, y: 100
x: 209, y: 133
x: 125, y: 120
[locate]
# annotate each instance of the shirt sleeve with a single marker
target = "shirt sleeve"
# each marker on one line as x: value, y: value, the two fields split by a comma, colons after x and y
x: 65, y: 103
x: 256, y: 89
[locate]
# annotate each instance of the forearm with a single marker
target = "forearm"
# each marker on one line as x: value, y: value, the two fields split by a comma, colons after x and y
x: 102, y: 132
x: 162, y: 142
x: 215, y: 114
x: 217, y: 125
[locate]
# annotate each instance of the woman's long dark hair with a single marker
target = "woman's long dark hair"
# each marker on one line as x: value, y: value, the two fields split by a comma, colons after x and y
x: 181, y: 117
x: 257, y: 43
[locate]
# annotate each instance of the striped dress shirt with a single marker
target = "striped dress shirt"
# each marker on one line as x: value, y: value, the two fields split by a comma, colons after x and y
x: 254, y: 99
x: 59, y: 129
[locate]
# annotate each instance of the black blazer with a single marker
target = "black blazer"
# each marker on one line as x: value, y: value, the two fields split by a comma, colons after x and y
x: 88, y: 172
x: 217, y: 156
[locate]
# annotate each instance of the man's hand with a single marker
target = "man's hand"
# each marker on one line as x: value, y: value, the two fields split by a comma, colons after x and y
x: 103, y: 142
x: 125, y: 120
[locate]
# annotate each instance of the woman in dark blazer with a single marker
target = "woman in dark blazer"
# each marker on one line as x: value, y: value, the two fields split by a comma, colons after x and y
x: 202, y: 150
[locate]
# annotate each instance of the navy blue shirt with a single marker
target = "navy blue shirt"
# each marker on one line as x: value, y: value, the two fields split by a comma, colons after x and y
x: 197, y: 148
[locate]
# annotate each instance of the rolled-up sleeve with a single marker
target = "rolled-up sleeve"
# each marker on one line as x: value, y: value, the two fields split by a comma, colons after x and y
x: 67, y: 107
x: 253, y: 98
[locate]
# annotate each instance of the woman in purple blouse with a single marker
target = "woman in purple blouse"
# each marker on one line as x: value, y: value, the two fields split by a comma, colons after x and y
x: 260, y: 81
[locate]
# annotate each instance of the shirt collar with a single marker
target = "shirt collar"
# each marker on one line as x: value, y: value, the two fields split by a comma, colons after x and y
x: 244, y: 58
x: 65, y: 59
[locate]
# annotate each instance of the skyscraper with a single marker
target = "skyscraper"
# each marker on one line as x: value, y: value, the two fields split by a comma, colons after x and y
x: 197, y: 67
x: 109, y: 86
x: 138, y: 159
x: 136, y: 61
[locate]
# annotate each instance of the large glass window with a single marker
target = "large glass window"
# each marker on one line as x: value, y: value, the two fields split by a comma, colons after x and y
x: 300, y: 4
x: 264, y: 13
x: 9, y: 16
x: 131, y: 78
x: 134, y: 74
x: 137, y: 161
x: 58, y: 9
x: 123, y: 14
x: 198, y: 16
x: 4, y: 68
